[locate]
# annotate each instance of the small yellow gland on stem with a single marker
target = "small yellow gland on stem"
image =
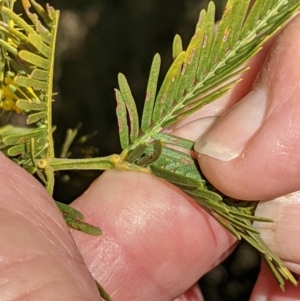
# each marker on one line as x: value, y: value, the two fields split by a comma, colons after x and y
x: 42, y: 164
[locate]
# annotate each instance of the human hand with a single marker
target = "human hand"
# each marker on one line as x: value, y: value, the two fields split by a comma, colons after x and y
x: 252, y: 153
x: 157, y: 242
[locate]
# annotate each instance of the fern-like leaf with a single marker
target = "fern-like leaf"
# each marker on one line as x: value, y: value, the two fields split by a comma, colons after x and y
x: 26, y: 77
x: 28, y: 63
x: 214, y: 58
x: 209, y: 68
x: 150, y: 94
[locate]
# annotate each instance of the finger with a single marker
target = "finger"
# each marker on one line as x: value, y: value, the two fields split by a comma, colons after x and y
x: 254, y: 148
x: 192, y: 294
x: 282, y: 236
x: 157, y: 242
x: 38, y: 257
x: 267, y: 289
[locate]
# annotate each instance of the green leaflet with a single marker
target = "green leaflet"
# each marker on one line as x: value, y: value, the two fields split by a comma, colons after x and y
x: 40, y: 74
x: 173, y: 177
x: 31, y: 105
x: 131, y: 107
x: 280, y: 272
x: 35, y: 117
x: 226, y: 225
x: 8, y: 47
x: 24, y: 148
x: 239, y: 224
x: 174, y: 140
x: 22, y: 138
x: 12, y: 130
x: 146, y: 154
x: 251, y: 217
x: 178, y: 163
x: 46, y: 17
x: 236, y: 23
x: 190, y: 64
x: 220, y: 40
x: 208, y: 31
x: 17, y: 20
x: 134, y: 155
x: 252, y: 19
x: 150, y: 94
x: 82, y: 226
x: 199, y: 103
x: 192, y: 56
x: 152, y: 158
x: 17, y: 150
x: 122, y: 120
x: 177, y: 46
x: 74, y: 219
x: 213, y: 84
x: 203, y: 193
x: 69, y: 210
x: 24, y: 81
x: 34, y: 59
x: 167, y: 91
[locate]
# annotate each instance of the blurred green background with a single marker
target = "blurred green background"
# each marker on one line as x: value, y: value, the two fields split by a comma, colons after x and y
x: 97, y: 39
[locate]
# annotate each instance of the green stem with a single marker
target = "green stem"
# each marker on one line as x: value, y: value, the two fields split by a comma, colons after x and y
x: 50, y: 149
x: 104, y: 163
x: 112, y: 162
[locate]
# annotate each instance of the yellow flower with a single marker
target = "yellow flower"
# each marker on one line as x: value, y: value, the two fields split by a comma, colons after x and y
x: 8, y: 102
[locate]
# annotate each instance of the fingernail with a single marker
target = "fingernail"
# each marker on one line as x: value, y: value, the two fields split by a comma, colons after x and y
x: 282, y: 236
x: 228, y: 137
x: 196, y: 128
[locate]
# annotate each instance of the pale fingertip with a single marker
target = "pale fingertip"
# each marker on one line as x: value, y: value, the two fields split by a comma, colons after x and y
x: 261, y: 290
x: 282, y: 235
x: 267, y: 288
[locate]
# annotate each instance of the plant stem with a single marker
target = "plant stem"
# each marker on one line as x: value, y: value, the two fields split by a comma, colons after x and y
x: 50, y: 148
x: 112, y: 162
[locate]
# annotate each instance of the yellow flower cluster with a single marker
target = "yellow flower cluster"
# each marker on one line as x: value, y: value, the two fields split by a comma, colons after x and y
x: 9, y: 98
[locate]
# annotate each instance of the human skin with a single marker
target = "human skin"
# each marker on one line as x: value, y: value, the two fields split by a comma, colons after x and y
x: 157, y: 241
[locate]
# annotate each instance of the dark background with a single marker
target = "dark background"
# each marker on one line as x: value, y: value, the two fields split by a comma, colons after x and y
x: 97, y: 39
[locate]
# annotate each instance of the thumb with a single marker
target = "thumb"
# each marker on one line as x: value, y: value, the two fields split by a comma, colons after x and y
x: 252, y: 152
